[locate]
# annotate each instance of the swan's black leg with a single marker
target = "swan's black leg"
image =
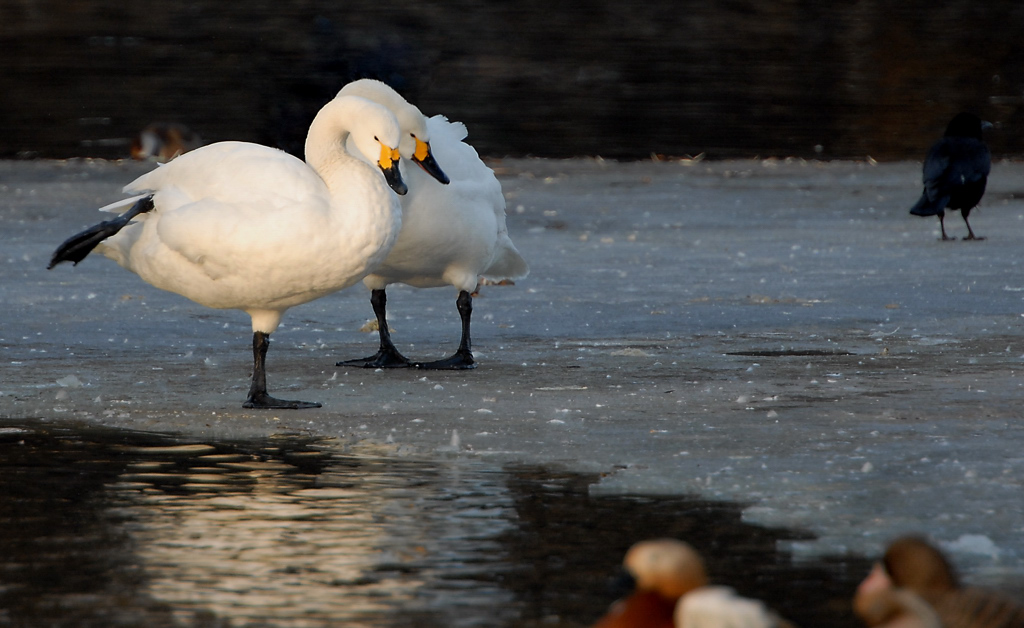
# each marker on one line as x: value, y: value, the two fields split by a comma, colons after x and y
x: 258, y: 397
x: 75, y: 248
x: 388, y: 356
x: 463, y: 357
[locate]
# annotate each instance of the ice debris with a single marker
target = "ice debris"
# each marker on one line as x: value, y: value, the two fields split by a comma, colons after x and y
x: 974, y: 544
x: 70, y: 381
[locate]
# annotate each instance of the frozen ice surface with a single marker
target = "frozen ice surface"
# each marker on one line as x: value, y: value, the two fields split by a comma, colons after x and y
x: 781, y: 333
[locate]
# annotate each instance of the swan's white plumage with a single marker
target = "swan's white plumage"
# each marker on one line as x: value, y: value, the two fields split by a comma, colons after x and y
x: 244, y: 226
x: 451, y: 234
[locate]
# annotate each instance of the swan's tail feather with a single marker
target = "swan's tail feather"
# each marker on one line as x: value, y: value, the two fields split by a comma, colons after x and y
x: 75, y: 248
x: 507, y: 264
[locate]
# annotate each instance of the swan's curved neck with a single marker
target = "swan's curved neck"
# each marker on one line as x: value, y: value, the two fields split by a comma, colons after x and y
x: 364, y: 211
x: 325, y: 142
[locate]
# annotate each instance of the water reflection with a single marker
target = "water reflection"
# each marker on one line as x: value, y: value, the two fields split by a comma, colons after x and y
x: 301, y: 536
x: 102, y: 527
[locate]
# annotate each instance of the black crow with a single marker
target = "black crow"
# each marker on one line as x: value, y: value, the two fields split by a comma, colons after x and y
x: 955, y: 172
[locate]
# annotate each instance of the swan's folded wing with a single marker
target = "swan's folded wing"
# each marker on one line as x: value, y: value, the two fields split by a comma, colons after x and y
x: 234, y: 173
x: 242, y: 222
x: 474, y: 188
x: 456, y: 131
x: 230, y: 238
x: 458, y: 159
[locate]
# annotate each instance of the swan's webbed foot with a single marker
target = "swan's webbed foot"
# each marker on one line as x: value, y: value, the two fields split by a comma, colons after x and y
x: 460, y: 361
x: 75, y: 248
x: 388, y: 356
x: 78, y: 246
x: 266, y: 402
x: 258, y: 397
x: 383, y: 359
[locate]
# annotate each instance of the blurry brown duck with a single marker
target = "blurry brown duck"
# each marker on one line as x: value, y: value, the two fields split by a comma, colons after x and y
x: 880, y: 604
x: 163, y: 142
x: 915, y: 586
x: 672, y: 591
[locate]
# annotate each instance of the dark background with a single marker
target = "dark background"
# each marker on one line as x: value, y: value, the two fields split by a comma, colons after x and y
x: 736, y: 78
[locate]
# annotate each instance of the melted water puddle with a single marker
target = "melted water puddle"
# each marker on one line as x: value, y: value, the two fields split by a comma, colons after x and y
x: 105, y: 527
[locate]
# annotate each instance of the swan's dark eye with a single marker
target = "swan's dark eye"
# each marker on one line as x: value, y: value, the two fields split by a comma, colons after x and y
x: 375, y: 137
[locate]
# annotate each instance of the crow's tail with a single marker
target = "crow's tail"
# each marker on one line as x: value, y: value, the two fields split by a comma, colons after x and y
x: 927, y: 207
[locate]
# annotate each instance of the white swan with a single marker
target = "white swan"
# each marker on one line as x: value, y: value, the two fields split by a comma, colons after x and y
x: 244, y: 226
x: 452, y: 233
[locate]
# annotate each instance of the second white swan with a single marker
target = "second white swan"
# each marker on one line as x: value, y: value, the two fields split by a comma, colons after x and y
x: 452, y: 233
